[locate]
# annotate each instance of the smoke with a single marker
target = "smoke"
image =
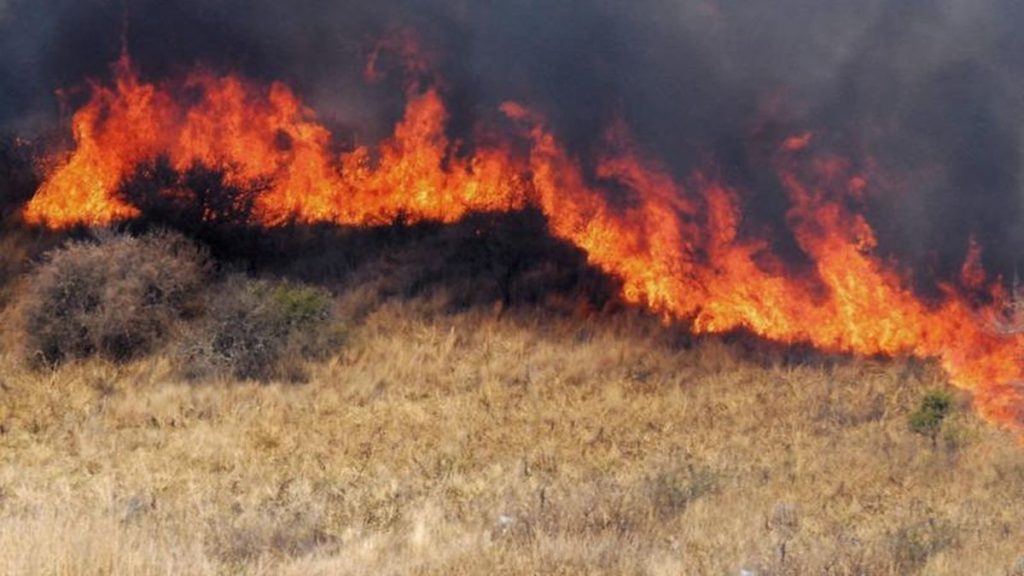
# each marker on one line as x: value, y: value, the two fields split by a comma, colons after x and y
x: 924, y: 94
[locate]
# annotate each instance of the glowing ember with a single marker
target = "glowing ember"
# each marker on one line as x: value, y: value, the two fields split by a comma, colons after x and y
x: 676, y: 247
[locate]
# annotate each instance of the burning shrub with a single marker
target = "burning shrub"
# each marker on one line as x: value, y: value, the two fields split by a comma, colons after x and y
x: 199, y: 201
x: 117, y: 297
x: 261, y: 330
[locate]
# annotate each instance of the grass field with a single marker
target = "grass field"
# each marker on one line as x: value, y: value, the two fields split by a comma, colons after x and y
x: 521, y: 443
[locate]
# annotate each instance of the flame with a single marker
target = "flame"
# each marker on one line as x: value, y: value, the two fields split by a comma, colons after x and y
x: 259, y: 135
x: 676, y: 246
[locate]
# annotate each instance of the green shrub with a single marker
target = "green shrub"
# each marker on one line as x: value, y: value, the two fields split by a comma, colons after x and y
x: 261, y: 330
x: 117, y: 297
x: 927, y: 420
x: 297, y: 305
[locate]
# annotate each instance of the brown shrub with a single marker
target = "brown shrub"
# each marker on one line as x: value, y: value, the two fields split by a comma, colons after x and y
x: 260, y: 330
x: 19, y: 248
x: 117, y: 297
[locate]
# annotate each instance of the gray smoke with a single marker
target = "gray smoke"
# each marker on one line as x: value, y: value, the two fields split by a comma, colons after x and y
x: 931, y: 89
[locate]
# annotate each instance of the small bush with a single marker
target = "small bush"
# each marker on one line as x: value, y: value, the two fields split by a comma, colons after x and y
x: 672, y: 491
x: 910, y: 547
x: 261, y: 330
x: 928, y: 418
x: 117, y: 297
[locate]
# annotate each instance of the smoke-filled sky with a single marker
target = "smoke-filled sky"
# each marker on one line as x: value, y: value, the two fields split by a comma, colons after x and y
x: 933, y: 90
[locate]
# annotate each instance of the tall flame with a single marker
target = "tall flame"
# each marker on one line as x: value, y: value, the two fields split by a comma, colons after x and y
x: 676, y: 248
x: 269, y: 135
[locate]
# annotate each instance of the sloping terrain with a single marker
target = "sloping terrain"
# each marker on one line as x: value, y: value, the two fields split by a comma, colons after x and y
x: 470, y: 442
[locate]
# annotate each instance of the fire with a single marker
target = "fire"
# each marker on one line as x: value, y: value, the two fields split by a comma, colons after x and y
x: 676, y: 245
x: 258, y: 135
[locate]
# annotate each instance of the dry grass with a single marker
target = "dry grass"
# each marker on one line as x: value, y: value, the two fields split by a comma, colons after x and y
x: 466, y: 444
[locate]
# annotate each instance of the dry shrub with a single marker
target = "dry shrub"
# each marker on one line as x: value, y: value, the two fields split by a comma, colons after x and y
x: 117, y: 297
x: 672, y: 490
x: 910, y: 547
x: 19, y: 249
x: 19, y: 245
x: 261, y: 330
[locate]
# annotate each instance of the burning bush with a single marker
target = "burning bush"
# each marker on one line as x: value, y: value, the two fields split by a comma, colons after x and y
x: 261, y: 330
x: 117, y: 297
x: 200, y: 202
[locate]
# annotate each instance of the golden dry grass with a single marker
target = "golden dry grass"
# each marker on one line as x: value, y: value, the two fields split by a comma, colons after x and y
x: 468, y: 444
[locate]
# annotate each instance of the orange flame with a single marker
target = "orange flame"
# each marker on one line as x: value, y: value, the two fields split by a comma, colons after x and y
x: 677, y: 249
x: 268, y: 135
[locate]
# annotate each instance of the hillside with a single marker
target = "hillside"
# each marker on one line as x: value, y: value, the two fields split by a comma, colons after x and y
x: 453, y: 288
x: 471, y: 442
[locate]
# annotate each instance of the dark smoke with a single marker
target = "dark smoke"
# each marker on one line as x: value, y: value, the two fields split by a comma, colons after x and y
x: 931, y: 90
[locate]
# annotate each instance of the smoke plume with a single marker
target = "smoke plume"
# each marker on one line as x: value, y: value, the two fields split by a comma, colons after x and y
x: 926, y: 95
